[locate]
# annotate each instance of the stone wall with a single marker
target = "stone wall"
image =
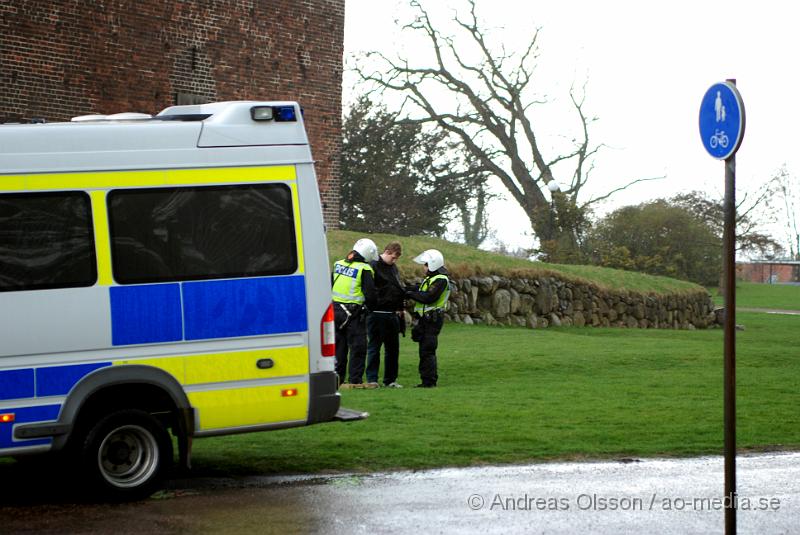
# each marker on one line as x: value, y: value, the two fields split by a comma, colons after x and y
x: 540, y: 302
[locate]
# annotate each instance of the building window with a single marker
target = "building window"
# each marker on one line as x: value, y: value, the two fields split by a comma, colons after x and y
x: 46, y: 241
x: 193, y: 233
x: 184, y: 99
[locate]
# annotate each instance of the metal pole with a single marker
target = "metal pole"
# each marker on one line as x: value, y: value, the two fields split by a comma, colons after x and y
x: 729, y: 264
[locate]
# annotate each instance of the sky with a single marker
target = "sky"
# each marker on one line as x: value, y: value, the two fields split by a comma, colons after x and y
x: 646, y: 67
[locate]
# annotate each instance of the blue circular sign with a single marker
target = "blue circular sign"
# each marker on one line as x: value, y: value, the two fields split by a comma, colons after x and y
x: 722, y: 120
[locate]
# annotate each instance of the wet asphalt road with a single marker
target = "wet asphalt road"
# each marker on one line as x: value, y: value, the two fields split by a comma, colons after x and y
x: 639, y: 496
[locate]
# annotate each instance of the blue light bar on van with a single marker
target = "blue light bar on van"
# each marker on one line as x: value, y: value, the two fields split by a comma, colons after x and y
x: 283, y: 114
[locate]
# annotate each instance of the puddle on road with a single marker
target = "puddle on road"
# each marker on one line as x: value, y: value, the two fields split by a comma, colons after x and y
x: 429, y: 500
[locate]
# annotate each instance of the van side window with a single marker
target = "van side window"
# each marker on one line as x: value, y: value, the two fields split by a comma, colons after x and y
x: 192, y: 233
x: 46, y: 241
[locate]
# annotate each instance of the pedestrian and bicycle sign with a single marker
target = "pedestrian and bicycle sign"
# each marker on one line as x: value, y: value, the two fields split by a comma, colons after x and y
x: 722, y: 120
x: 722, y: 129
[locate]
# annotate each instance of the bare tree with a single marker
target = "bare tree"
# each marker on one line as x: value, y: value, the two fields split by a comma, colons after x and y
x: 786, y: 202
x: 488, y: 108
x: 474, y: 219
x: 471, y: 198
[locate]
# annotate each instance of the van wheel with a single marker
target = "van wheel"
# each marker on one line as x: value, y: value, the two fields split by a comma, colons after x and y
x: 126, y: 455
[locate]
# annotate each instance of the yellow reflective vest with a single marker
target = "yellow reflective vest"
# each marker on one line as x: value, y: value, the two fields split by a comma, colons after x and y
x: 347, y: 281
x: 439, y: 304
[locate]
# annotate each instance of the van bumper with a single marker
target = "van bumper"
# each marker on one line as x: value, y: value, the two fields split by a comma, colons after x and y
x: 324, y: 397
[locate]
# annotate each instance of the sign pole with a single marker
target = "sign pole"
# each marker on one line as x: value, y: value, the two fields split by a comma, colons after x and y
x: 729, y: 263
x: 722, y: 122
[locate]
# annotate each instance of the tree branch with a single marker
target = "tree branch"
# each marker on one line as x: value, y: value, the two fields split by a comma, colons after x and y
x: 626, y: 186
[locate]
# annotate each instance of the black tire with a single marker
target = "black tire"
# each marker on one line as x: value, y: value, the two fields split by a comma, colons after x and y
x: 125, y: 456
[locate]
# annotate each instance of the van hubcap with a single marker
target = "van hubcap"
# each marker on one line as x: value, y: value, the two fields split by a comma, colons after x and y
x: 128, y: 456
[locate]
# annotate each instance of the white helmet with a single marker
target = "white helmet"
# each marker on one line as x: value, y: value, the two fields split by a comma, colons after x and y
x: 366, y: 248
x: 432, y: 257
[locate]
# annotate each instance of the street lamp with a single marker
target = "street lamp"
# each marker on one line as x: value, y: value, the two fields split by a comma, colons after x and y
x: 554, y: 188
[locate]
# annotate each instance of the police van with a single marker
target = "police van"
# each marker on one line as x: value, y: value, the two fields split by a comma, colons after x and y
x: 160, y: 276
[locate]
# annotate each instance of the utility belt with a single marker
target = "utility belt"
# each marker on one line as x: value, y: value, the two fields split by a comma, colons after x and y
x: 429, y: 323
x: 432, y: 315
x: 351, y: 310
x: 351, y: 307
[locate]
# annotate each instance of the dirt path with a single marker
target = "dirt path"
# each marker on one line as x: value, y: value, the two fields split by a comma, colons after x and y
x: 769, y: 311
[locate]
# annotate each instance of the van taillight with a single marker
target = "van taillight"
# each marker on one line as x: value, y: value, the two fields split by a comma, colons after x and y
x: 328, y: 332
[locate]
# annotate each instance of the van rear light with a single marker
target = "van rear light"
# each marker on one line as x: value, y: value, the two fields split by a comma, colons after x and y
x: 7, y: 418
x: 328, y: 333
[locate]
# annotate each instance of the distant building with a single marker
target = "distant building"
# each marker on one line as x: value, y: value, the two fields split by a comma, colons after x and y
x: 769, y: 271
x: 68, y: 58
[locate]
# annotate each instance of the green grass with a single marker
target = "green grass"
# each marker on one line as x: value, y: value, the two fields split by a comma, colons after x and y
x: 510, y: 395
x: 464, y: 261
x: 758, y: 295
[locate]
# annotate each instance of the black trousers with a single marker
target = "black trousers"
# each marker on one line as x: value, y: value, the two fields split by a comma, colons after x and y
x: 427, y: 334
x: 352, y: 339
x: 383, y: 328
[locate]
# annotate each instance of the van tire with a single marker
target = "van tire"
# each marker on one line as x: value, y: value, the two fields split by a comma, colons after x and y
x: 125, y: 456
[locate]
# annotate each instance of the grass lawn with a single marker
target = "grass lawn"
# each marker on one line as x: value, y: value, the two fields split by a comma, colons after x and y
x: 755, y: 295
x: 511, y: 395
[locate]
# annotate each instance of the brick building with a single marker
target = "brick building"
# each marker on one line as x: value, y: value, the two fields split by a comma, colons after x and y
x: 769, y: 271
x: 74, y: 57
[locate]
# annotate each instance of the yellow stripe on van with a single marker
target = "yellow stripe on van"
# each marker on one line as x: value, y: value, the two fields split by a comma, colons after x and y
x: 243, y: 365
x: 101, y: 239
x: 298, y: 229
x: 161, y: 177
x: 220, y: 409
x: 105, y: 180
x: 172, y: 365
x: 12, y: 183
x: 229, y: 366
x: 231, y: 174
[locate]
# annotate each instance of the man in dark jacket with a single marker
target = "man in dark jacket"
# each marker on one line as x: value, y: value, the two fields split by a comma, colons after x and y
x: 385, y: 321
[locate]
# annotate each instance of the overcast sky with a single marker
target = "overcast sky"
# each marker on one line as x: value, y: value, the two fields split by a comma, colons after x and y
x: 647, y: 66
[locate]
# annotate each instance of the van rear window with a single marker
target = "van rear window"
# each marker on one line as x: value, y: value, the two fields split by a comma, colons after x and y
x: 46, y: 241
x: 192, y: 233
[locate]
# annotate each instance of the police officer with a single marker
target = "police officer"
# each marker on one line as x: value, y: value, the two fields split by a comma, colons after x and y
x: 431, y: 302
x: 353, y: 290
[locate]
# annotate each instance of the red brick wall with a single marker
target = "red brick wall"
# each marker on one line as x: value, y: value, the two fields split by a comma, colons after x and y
x: 761, y: 272
x: 73, y: 57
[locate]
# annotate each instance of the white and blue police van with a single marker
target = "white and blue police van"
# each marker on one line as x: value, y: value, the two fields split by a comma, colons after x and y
x: 160, y: 277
